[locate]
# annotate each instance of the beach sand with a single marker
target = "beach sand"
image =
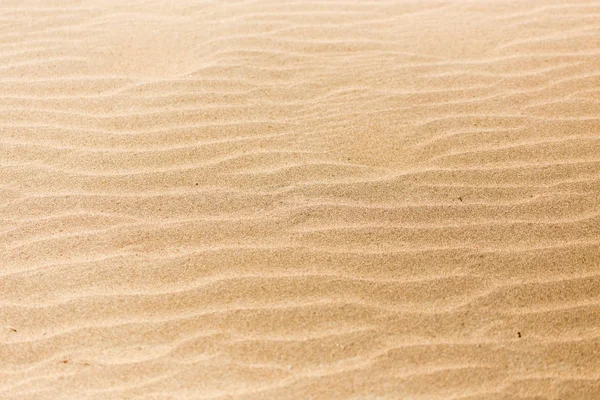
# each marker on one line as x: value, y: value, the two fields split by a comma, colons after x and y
x: 300, y: 199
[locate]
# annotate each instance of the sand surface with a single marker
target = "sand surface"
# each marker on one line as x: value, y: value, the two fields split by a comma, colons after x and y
x: 300, y: 199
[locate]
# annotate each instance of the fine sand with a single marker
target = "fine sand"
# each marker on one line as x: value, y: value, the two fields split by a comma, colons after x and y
x: 300, y: 199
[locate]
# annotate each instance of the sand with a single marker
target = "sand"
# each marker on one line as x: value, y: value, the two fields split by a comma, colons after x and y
x: 300, y: 199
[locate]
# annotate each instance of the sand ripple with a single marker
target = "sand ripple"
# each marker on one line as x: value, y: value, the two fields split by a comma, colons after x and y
x: 260, y: 199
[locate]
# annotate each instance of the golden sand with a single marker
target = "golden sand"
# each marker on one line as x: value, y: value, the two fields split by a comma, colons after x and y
x: 300, y: 200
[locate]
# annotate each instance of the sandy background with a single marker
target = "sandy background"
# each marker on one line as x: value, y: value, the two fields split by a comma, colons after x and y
x: 300, y: 200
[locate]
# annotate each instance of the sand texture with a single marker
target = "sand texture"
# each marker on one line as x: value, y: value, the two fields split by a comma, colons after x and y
x: 300, y: 199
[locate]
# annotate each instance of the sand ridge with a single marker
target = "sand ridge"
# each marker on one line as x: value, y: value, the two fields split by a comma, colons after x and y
x: 303, y: 199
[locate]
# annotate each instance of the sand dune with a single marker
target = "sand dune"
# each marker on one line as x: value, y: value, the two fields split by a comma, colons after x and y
x: 301, y: 200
